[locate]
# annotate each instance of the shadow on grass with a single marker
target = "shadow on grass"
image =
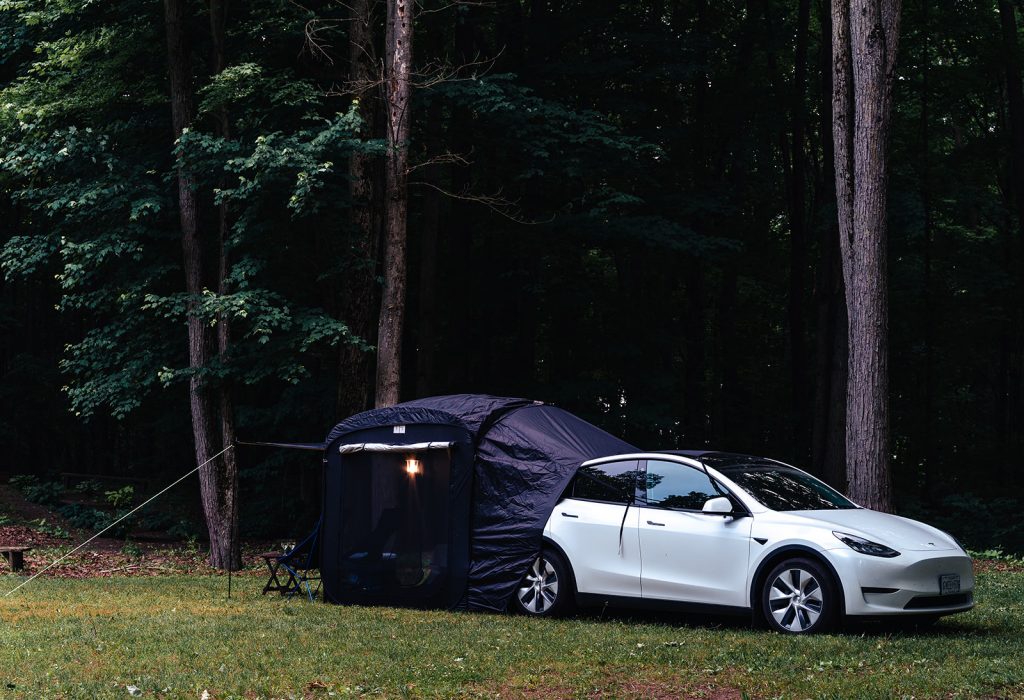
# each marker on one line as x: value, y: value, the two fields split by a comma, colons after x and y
x: 944, y: 627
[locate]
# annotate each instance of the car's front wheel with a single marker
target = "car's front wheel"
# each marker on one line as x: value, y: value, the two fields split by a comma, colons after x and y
x: 547, y: 588
x: 799, y: 597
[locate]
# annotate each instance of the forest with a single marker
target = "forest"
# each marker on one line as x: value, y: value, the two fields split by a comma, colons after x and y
x: 627, y: 209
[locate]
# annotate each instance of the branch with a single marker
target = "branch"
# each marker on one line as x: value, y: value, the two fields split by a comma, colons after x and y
x: 437, y: 72
x: 422, y: 10
x: 447, y: 158
x: 496, y: 203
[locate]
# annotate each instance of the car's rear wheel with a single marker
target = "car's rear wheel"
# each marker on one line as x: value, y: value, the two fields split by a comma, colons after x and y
x: 547, y: 588
x: 799, y: 597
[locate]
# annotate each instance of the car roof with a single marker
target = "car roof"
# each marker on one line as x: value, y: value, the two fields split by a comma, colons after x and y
x: 712, y: 458
x: 720, y: 460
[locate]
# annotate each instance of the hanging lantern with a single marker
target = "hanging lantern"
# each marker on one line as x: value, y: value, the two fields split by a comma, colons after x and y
x: 413, y: 466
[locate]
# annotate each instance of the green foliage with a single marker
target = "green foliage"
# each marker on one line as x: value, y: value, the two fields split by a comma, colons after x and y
x: 122, y: 497
x: 46, y: 493
x: 131, y: 549
x: 89, y: 487
x: 48, y: 528
x: 85, y: 517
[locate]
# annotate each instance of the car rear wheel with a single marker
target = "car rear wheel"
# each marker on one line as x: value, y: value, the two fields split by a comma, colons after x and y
x: 799, y: 597
x: 547, y: 588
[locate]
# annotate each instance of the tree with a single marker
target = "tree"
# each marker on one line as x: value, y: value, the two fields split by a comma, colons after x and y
x: 397, y: 92
x: 865, y: 38
x: 359, y: 286
x: 218, y: 478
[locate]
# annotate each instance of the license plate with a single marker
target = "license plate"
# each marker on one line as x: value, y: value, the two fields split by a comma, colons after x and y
x: 949, y: 584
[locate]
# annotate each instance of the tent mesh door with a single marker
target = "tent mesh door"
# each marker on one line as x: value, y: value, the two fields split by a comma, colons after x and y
x: 395, y: 523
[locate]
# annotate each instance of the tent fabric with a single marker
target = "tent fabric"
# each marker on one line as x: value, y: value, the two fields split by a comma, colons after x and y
x: 512, y: 460
x: 468, y: 411
x: 524, y: 464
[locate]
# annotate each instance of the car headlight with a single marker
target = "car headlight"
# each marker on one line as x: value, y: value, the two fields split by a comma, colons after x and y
x: 859, y: 544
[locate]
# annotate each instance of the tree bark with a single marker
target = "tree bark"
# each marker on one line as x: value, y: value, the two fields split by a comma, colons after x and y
x: 397, y: 88
x: 865, y: 36
x: 359, y: 288
x: 218, y: 494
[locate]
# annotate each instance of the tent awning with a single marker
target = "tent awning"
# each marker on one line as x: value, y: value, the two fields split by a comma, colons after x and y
x: 384, y: 447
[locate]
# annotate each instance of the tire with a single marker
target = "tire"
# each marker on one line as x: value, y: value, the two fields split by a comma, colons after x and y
x: 547, y: 590
x: 799, y: 597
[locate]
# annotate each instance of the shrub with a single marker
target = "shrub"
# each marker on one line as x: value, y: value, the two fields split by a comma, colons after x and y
x: 45, y: 493
x: 48, y: 529
x: 89, y: 487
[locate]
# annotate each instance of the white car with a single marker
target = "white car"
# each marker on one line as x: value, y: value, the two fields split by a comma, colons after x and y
x: 718, y: 532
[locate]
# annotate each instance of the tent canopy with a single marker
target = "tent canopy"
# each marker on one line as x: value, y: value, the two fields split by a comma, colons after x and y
x: 443, y: 500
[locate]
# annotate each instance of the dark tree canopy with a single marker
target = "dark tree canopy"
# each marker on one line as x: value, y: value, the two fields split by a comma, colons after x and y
x: 626, y: 209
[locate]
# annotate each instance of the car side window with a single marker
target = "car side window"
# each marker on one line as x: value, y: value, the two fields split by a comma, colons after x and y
x: 613, y: 482
x: 673, y: 485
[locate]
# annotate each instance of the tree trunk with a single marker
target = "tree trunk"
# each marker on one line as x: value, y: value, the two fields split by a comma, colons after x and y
x: 397, y: 89
x: 218, y: 480
x: 865, y: 37
x: 359, y: 287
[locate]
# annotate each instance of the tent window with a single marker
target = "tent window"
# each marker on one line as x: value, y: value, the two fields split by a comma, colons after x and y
x: 395, y: 527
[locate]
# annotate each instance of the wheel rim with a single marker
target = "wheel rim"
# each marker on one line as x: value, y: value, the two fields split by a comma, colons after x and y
x: 540, y: 587
x: 796, y: 600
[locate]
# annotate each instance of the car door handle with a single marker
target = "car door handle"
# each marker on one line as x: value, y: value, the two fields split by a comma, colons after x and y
x: 651, y: 522
x: 569, y: 515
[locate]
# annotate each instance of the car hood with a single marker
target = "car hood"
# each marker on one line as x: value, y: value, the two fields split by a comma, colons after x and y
x: 892, y: 530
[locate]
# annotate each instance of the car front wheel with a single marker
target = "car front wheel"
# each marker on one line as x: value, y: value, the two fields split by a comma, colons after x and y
x: 799, y: 597
x: 546, y: 590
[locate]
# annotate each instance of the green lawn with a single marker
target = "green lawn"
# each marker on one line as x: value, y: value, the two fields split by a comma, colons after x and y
x: 176, y: 637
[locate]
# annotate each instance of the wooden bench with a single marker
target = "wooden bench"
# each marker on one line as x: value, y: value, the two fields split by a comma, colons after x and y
x: 15, y: 556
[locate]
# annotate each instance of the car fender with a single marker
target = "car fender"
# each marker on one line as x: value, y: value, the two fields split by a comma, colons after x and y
x: 769, y: 558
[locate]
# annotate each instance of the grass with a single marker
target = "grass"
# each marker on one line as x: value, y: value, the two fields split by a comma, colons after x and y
x: 176, y: 637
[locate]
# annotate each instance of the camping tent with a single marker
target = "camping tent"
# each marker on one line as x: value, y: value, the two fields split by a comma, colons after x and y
x: 442, y: 501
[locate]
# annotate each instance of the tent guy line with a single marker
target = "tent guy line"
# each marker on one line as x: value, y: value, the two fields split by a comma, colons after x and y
x: 126, y: 515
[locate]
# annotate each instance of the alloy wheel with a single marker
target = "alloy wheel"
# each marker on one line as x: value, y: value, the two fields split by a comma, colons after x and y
x: 796, y: 599
x: 539, y: 590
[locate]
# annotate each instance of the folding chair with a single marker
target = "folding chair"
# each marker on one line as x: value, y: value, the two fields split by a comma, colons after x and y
x: 300, y: 562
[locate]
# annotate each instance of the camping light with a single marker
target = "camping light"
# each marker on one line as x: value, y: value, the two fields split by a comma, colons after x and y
x: 412, y: 465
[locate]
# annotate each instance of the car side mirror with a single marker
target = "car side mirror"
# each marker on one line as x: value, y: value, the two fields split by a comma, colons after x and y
x: 718, y: 506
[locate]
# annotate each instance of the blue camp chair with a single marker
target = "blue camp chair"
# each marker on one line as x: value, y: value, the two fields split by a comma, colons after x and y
x: 300, y: 562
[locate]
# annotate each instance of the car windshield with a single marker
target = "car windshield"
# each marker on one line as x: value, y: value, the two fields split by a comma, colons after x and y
x: 783, y: 488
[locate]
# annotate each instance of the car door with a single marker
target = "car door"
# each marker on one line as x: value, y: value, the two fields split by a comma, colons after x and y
x: 688, y: 555
x: 587, y: 527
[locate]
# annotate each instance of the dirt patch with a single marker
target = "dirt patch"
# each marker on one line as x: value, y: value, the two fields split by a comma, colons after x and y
x: 987, y: 566
x: 14, y: 505
x: 660, y: 690
x: 612, y: 687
